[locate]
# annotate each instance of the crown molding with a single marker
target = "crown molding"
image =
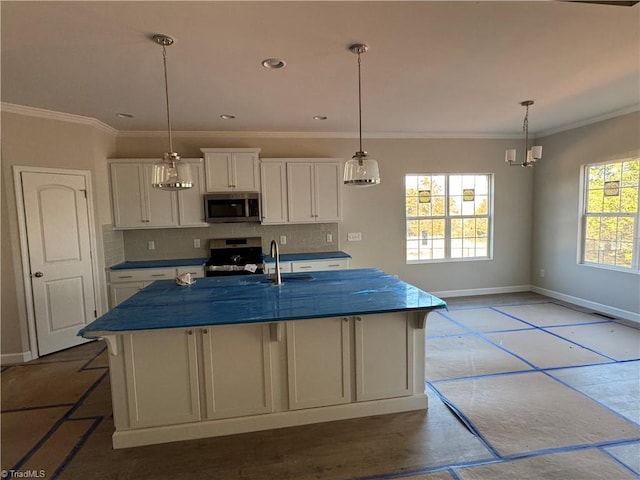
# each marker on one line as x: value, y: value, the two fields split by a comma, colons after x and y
x: 589, y: 121
x: 53, y: 115
x: 346, y: 135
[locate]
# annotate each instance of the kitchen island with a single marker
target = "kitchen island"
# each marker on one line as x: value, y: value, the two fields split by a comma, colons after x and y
x: 237, y: 354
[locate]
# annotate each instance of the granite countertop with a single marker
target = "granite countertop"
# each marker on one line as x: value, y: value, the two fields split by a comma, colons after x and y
x: 253, y: 299
x: 294, y: 257
x: 174, y: 262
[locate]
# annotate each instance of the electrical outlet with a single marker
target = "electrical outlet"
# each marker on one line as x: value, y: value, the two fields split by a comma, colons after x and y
x: 329, y: 237
x: 354, y: 236
x: 542, y: 272
x: 151, y: 245
x: 196, y: 243
x: 283, y: 239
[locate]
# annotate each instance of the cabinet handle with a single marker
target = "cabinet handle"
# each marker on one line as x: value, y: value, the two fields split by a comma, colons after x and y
x: 359, y: 319
x: 345, y: 319
x: 205, y: 331
x: 334, y: 265
x: 189, y: 332
x: 158, y: 275
x: 125, y: 276
x: 304, y: 266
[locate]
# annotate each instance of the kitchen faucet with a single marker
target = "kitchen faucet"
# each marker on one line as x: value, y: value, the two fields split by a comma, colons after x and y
x: 277, y: 279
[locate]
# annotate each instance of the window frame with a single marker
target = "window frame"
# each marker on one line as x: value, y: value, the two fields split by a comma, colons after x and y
x: 448, y: 218
x: 583, y: 215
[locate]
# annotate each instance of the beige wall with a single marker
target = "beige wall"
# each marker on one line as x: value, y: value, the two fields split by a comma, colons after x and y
x: 556, y: 215
x: 32, y: 141
x: 378, y: 212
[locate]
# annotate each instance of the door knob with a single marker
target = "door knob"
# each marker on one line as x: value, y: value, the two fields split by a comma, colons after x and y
x: 38, y: 274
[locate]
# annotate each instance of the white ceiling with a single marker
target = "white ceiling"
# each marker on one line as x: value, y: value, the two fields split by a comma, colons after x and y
x: 434, y: 68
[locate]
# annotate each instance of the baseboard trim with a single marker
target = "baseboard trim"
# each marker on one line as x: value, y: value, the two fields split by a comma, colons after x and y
x: 633, y: 318
x: 13, y: 358
x: 482, y: 291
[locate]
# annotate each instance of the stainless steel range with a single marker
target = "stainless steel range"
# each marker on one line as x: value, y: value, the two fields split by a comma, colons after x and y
x: 234, y: 256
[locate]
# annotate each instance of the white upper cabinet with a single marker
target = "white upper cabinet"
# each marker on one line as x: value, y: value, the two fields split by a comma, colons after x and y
x: 136, y: 204
x: 313, y: 189
x: 231, y: 169
x: 273, y: 187
x: 190, y: 203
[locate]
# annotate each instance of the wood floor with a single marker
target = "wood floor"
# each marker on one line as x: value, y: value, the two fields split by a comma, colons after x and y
x: 520, y: 387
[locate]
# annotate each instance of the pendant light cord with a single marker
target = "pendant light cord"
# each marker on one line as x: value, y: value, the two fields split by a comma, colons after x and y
x: 525, y: 128
x: 166, y: 92
x: 359, y: 104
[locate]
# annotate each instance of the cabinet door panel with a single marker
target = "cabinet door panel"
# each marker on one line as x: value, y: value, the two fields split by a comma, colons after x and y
x: 127, y: 193
x: 245, y: 173
x: 161, y: 377
x: 162, y: 206
x: 273, y: 189
x: 218, y: 171
x: 327, y: 192
x: 384, y: 356
x: 300, y: 189
x: 120, y: 292
x: 237, y: 370
x: 190, y: 203
x: 318, y: 361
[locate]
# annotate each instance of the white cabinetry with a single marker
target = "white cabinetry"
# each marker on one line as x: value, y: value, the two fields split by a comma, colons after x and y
x: 384, y: 356
x: 229, y: 170
x: 273, y: 177
x: 161, y: 375
x: 237, y: 370
x: 301, y: 190
x: 136, y: 204
x: 270, y: 267
x: 127, y: 282
x: 313, y: 192
x: 318, y: 362
x: 318, y: 265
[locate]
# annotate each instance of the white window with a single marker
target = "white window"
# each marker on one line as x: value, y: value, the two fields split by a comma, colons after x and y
x: 610, y: 214
x: 448, y: 216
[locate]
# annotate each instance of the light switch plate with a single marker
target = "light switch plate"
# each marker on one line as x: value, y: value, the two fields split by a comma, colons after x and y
x: 283, y: 239
x: 354, y: 236
x: 151, y: 245
x: 196, y: 243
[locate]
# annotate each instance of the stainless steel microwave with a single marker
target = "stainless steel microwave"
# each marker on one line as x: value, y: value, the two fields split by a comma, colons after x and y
x: 232, y: 207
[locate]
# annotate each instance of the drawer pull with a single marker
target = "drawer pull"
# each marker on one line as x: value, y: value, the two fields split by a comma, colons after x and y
x: 158, y: 275
x: 334, y: 265
x: 125, y: 276
x: 305, y: 266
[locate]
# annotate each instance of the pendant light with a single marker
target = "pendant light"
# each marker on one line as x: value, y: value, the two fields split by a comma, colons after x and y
x: 531, y: 154
x: 361, y: 170
x: 171, y: 173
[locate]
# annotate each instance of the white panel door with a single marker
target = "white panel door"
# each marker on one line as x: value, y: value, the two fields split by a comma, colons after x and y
x: 327, y: 192
x: 318, y: 362
x: 300, y: 190
x: 237, y: 370
x: 273, y: 178
x: 384, y: 356
x: 57, y: 222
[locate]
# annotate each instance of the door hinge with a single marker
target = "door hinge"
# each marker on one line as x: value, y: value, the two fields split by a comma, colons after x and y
x: 95, y: 314
x: 83, y: 190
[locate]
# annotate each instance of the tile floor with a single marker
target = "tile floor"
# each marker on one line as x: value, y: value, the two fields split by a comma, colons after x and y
x: 520, y: 386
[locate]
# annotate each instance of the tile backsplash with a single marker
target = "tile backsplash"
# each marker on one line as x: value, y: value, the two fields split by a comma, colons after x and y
x: 179, y: 242
x: 113, y: 244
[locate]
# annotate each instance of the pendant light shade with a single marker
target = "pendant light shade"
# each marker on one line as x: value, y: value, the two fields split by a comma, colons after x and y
x: 360, y: 171
x: 171, y: 173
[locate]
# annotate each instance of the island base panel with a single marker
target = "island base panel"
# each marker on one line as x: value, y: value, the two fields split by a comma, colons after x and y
x: 230, y: 426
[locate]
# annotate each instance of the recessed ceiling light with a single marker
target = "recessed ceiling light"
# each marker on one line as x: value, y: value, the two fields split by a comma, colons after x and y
x: 273, y: 63
x: 319, y: 117
x: 124, y: 115
x: 226, y: 116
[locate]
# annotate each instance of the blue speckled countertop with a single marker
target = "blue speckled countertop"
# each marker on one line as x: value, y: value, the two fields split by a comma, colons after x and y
x: 252, y: 298
x: 177, y: 262
x: 294, y: 257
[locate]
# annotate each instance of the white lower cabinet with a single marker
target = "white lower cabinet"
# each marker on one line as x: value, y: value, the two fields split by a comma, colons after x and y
x: 383, y: 356
x: 318, y: 265
x: 127, y: 282
x: 237, y: 370
x: 318, y: 362
x: 161, y: 374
